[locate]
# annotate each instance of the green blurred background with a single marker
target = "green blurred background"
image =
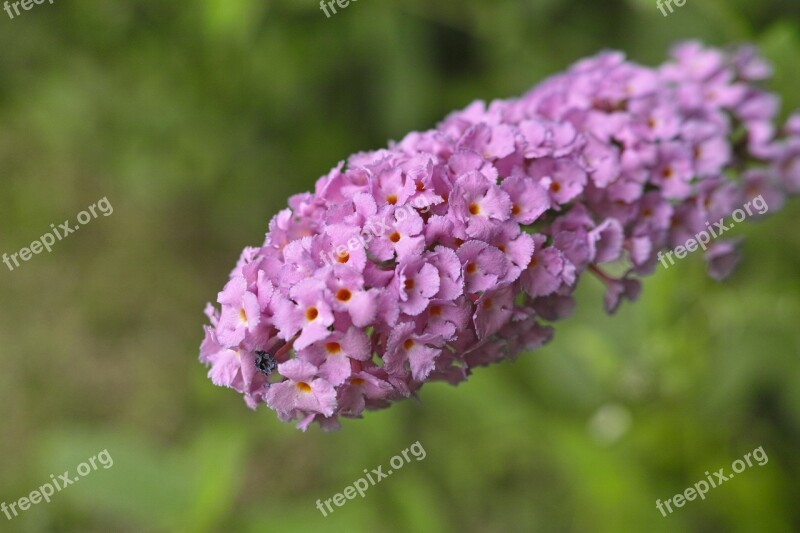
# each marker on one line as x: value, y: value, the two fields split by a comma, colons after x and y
x: 197, y: 120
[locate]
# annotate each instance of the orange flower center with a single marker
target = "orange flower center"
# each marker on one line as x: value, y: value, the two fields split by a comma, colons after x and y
x: 357, y: 381
x: 408, y: 344
x: 344, y: 258
x: 555, y: 186
x: 311, y: 313
x: 333, y: 347
x: 343, y: 295
x: 391, y: 199
x: 243, y: 315
x: 436, y: 310
x: 515, y: 210
x: 474, y: 208
x: 409, y: 284
x: 394, y: 237
x: 302, y: 386
x: 471, y: 268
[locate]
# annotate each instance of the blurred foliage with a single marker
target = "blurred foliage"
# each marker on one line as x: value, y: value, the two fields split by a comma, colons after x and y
x: 197, y: 120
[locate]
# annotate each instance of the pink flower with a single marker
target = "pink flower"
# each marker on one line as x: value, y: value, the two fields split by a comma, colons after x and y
x: 362, y: 388
x: 419, y: 351
x: 529, y: 199
x: 351, y: 296
x: 401, y: 237
x: 484, y: 265
x: 416, y: 283
x: 301, y: 392
x: 493, y: 311
x: 479, y: 204
x: 453, y: 248
x: 240, y: 312
x: 336, y: 355
x: 307, y: 312
x: 563, y: 178
x: 547, y: 271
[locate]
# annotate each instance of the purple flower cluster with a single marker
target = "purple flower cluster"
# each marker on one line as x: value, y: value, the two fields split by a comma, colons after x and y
x: 455, y: 247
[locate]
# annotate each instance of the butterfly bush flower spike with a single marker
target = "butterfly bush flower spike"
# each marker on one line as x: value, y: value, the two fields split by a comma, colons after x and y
x: 459, y: 246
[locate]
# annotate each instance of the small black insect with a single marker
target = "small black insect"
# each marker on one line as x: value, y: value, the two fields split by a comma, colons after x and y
x: 265, y: 363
